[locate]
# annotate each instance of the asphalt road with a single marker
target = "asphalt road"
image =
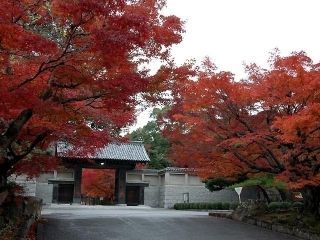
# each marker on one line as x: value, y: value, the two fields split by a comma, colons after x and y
x: 63, y: 222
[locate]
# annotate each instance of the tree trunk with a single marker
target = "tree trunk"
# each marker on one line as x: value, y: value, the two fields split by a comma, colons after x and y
x: 3, y: 178
x: 265, y: 194
x: 3, y: 181
x: 14, y: 128
x: 311, y: 199
x: 6, y: 156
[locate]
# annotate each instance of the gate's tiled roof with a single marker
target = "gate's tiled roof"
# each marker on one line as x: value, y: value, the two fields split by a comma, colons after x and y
x: 131, y: 151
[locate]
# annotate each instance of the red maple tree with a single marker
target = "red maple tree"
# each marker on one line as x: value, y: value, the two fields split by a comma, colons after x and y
x: 267, y: 123
x: 98, y: 183
x: 70, y: 70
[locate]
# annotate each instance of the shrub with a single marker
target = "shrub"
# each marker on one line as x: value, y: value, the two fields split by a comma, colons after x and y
x: 190, y: 205
x: 233, y: 206
x: 297, y: 205
x: 276, y: 206
x: 225, y: 205
x: 219, y: 206
x: 204, y: 205
x: 177, y: 206
x: 213, y: 206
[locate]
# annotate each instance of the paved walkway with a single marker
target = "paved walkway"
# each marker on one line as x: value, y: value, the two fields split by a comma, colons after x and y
x: 65, y: 222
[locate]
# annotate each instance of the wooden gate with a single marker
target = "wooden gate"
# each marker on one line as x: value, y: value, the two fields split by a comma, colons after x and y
x: 65, y: 193
x: 133, y: 195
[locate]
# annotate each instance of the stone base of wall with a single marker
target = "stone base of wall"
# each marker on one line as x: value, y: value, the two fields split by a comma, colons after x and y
x: 221, y: 213
x: 283, y: 229
x: 274, y: 227
x: 18, y: 215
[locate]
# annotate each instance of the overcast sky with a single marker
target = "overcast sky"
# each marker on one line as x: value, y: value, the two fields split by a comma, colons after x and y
x: 233, y: 32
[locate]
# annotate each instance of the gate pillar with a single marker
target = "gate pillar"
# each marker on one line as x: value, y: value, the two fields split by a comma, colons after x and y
x: 77, y: 184
x: 120, y: 185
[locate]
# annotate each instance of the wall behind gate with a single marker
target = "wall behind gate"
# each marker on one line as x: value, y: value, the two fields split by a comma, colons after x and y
x: 176, y: 185
x: 167, y: 188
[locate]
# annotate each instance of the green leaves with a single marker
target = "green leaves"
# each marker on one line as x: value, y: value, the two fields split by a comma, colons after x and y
x: 267, y: 181
x: 156, y: 145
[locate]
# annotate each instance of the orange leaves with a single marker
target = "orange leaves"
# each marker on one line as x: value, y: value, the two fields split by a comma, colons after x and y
x: 268, y: 123
x: 292, y: 81
x: 98, y: 183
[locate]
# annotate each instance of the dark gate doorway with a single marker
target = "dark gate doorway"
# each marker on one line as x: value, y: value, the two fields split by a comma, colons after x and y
x: 65, y: 193
x: 133, y: 195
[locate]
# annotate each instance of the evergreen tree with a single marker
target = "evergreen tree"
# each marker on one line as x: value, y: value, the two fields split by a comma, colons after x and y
x: 156, y: 145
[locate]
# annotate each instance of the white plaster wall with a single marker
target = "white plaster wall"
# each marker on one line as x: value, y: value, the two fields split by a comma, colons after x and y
x: 194, y: 180
x: 164, y: 190
x: 177, y: 179
x: 44, y: 191
x: 179, y: 184
x: 65, y: 175
x: 174, y: 194
x: 151, y: 196
x: 153, y: 180
x: 167, y: 189
x: 44, y: 177
x: 152, y: 192
x: 43, y: 188
x: 134, y: 177
x: 162, y: 179
x: 162, y: 196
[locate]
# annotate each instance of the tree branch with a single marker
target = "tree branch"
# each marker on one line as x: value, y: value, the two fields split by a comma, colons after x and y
x: 252, y: 166
x: 14, y: 128
x: 79, y: 98
x: 30, y: 148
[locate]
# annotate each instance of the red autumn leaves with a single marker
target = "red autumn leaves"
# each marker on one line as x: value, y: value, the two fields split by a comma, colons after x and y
x: 267, y: 123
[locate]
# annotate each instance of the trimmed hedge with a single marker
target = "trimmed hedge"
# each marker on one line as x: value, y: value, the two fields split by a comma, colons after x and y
x: 205, y: 206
